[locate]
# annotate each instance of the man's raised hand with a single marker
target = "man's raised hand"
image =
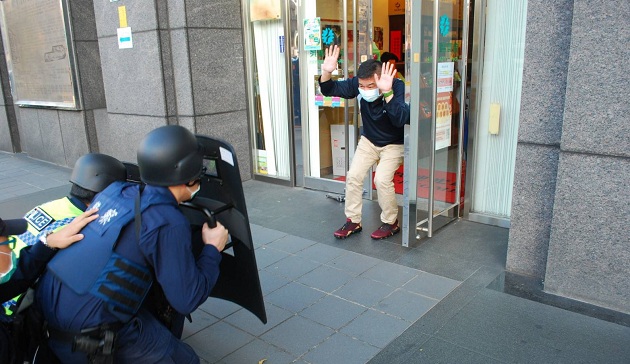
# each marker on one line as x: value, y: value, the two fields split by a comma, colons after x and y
x: 330, y: 61
x: 386, y: 79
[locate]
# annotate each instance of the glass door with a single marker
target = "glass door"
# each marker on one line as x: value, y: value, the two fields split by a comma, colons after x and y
x: 438, y: 65
x: 331, y: 125
x: 268, y: 66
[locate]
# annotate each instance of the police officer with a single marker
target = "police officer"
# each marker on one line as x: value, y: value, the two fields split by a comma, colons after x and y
x: 92, y: 172
x: 93, y: 294
x: 19, y: 342
x: 33, y: 258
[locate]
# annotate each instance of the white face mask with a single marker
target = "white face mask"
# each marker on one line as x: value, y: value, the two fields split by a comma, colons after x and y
x: 6, y: 275
x: 370, y: 95
x: 192, y: 194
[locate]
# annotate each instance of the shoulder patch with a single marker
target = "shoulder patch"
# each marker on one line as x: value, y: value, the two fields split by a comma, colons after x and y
x: 38, y: 218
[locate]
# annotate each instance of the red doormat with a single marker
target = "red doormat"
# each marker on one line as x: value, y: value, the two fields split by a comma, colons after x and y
x: 445, y: 184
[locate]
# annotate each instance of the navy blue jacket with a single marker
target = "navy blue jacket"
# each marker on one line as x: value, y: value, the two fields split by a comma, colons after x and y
x: 165, y: 247
x: 383, y: 122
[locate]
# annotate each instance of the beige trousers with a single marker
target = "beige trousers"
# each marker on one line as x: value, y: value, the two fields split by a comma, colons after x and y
x: 389, y: 158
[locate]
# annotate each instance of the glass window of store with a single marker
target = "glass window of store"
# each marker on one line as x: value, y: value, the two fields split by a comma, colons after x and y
x: 269, y: 75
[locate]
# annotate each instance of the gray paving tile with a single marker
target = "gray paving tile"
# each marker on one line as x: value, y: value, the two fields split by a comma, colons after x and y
x: 20, y: 189
x: 401, y: 350
x: 321, y: 253
x: 391, y: 274
x: 340, y: 348
x: 224, y: 339
x: 431, y: 285
x: 200, y: 321
x: 294, y: 297
x: 266, y: 256
x: 521, y: 334
x: 218, y: 307
x: 45, y: 183
x: 291, y: 244
x: 442, y: 265
x: 262, y: 235
x: 292, y: 267
x: 364, y: 291
x: 375, y: 328
x: 406, y: 305
x: 257, y: 351
x: 354, y: 263
x: 439, y: 351
x: 246, y: 321
x: 297, y: 335
x: 326, y: 278
x: 333, y: 312
x: 270, y: 282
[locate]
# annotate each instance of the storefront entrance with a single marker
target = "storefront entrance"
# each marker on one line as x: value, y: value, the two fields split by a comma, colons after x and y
x: 302, y: 138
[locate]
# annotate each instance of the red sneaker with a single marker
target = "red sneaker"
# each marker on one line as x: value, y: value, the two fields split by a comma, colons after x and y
x: 386, y: 230
x: 348, y: 229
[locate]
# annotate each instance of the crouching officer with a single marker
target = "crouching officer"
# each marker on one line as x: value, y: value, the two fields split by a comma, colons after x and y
x: 93, y: 294
x: 92, y: 172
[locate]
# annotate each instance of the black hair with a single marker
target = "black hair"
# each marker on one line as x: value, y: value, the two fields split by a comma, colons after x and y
x: 368, y: 68
x: 387, y: 56
x: 86, y: 196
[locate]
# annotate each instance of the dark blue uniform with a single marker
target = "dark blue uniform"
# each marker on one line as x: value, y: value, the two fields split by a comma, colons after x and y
x: 164, y: 249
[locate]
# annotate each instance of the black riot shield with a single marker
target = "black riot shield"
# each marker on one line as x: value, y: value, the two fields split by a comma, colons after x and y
x: 221, y: 199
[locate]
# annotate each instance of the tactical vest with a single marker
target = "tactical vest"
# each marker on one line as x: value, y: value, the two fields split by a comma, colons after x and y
x: 43, y: 218
x: 93, y: 266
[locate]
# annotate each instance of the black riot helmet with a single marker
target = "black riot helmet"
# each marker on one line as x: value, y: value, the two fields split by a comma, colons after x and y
x: 94, y: 171
x: 170, y: 155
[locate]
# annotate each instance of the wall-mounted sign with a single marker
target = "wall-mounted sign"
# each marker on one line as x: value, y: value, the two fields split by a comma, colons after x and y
x: 312, y: 34
x: 396, y: 7
x: 125, y: 39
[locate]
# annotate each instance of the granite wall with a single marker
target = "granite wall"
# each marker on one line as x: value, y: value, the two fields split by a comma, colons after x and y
x: 185, y: 67
x: 589, y: 247
x: 547, y: 44
x: 9, y: 135
x: 569, y: 213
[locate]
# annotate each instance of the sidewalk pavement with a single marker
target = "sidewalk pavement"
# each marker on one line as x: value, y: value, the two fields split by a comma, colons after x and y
x: 358, y: 300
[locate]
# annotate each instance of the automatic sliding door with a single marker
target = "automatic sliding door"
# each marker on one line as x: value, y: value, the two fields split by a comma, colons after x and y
x: 437, y: 95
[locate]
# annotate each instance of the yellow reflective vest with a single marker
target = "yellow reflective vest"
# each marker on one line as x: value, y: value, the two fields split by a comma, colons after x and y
x: 49, y: 216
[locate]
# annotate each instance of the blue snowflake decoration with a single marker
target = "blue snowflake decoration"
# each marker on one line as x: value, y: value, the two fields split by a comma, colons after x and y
x: 328, y: 36
x: 445, y: 25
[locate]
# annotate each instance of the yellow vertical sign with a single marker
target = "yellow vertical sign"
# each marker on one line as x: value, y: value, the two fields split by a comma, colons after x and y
x: 122, y: 16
